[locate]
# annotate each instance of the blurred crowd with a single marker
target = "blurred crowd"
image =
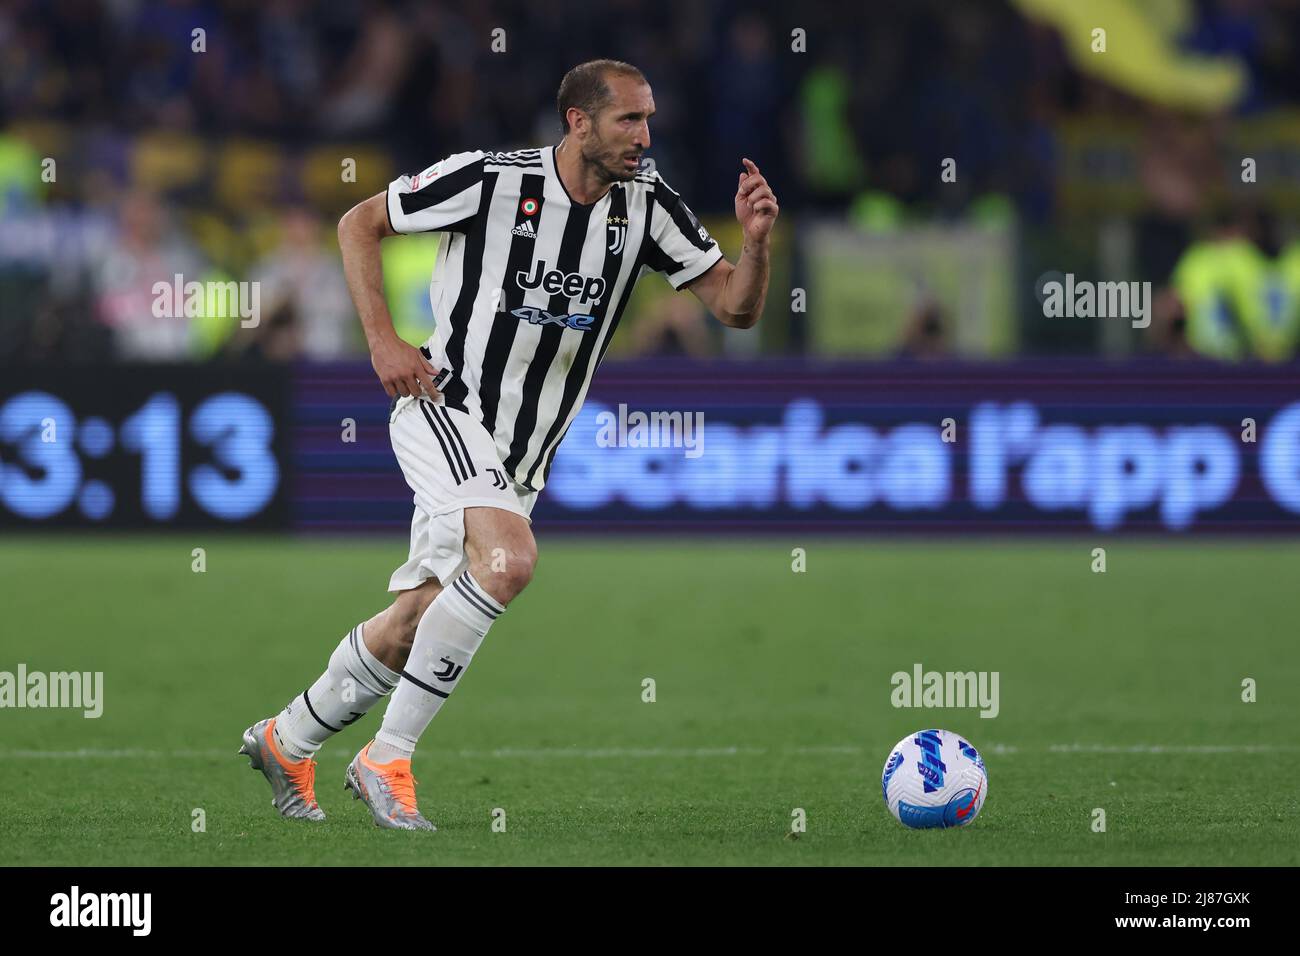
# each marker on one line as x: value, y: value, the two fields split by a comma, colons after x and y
x: 205, y: 138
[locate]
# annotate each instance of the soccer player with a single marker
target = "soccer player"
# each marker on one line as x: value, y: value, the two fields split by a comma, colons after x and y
x: 541, y: 252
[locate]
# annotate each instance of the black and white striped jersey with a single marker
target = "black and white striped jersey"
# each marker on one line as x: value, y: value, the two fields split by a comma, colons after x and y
x: 529, y: 285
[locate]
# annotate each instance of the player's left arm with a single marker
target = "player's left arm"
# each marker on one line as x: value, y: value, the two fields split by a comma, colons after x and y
x: 735, y: 293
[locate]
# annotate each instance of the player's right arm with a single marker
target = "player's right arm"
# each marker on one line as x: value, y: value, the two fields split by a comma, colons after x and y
x: 401, y: 367
x: 443, y: 198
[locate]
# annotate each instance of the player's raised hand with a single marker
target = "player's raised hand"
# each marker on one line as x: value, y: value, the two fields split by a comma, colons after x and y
x: 756, y: 206
x: 402, y: 368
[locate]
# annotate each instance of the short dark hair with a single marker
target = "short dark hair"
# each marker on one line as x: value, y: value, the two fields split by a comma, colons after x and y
x: 584, y: 87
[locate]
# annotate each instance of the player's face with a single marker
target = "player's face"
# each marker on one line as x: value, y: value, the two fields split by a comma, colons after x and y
x: 621, y: 132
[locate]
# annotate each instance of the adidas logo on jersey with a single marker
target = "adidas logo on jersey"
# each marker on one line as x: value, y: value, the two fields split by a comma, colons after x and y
x: 524, y: 230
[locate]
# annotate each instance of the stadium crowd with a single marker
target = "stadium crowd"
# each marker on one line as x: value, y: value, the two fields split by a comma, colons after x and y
x: 206, y: 139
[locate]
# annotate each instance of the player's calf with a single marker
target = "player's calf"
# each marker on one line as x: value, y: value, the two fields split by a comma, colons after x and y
x: 390, y: 633
x: 501, y: 556
x: 448, y: 635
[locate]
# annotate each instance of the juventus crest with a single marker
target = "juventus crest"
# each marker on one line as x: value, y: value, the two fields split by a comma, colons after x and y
x: 617, y: 226
x: 449, y: 670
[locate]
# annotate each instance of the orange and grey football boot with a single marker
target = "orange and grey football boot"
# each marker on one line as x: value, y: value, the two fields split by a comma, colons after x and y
x: 388, y: 789
x: 292, y: 782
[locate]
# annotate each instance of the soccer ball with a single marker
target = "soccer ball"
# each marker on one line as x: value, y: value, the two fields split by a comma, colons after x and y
x: 934, y: 778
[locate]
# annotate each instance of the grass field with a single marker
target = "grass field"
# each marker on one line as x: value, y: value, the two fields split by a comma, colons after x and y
x: 1119, y: 691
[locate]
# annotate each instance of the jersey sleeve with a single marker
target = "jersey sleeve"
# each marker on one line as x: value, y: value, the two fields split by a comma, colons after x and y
x: 443, y: 198
x: 680, y: 247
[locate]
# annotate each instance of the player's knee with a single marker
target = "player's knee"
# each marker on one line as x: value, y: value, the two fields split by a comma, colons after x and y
x: 501, y: 550
x: 509, y: 571
x: 517, y: 570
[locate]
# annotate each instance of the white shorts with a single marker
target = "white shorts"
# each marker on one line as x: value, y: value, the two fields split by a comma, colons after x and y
x: 451, y: 463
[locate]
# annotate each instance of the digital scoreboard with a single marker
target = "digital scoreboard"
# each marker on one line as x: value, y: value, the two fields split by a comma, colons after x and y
x: 140, y: 447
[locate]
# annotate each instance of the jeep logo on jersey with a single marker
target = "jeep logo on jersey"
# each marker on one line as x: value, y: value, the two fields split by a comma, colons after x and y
x: 536, y: 316
x: 555, y: 282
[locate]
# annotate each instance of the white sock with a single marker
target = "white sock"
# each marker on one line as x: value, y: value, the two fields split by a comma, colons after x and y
x: 448, y: 634
x: 350, y: 686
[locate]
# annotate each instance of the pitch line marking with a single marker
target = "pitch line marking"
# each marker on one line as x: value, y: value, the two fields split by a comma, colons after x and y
x: 598, y: 753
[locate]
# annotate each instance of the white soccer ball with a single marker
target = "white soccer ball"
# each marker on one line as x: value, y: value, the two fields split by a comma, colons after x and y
x: 934, y: 778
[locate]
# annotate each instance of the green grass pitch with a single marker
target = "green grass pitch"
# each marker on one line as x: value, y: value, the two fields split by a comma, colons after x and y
x: 772, y: 693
